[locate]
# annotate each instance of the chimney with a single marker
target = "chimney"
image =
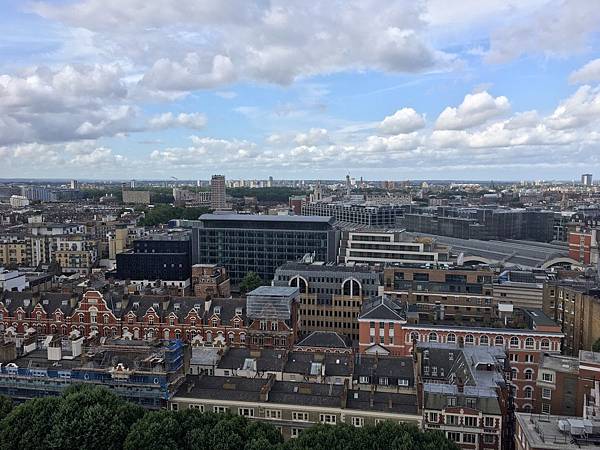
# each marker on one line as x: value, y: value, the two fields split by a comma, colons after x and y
x: 344, y: 396
x: 461, y: 342
x: 460, y: 385
x: 264, y: 391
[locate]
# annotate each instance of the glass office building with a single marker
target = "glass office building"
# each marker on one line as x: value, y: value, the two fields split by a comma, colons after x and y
x: 259, y: 243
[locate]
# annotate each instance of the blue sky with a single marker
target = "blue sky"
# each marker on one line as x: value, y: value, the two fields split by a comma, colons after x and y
x: 292, y: 89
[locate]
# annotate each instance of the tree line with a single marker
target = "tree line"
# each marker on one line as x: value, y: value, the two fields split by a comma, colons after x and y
x: 87, y: 417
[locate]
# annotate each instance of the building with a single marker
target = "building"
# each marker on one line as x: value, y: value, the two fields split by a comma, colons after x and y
x: 294, y: 406
x: 461, y: 293
x: 210, y: 280
x: 18, y: 201
x: 575, y: 306
x: 162, y: 257
x: 272, y: 313
x: 136, y: 197
x: 74, y: 253
x: 586, y: 179
x: 390, y: 247
x: 259, y: 243
x: 14, y: 251
x: 39, y: 194
x: 551, y: 432
x: 331, y: 295
x: 466, y: 394
x: 357, y: 213
x: 583, y: 244
x: 12, y: 280
x: 217, y: 192
x: 140, y: 372
x: 523, y: 289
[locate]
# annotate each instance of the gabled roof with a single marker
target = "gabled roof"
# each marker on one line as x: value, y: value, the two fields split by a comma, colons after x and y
x: 383, y: 308
x: 326, y: 339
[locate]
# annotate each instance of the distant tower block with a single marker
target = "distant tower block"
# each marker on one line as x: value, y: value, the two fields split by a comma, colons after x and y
x: 217, y: 192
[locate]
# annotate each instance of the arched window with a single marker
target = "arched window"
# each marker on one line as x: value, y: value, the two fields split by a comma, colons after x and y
x: 513, y: 374
x: 484, y: 340
x: 105, y: 318
x: 167, y: 334
x: 528, y: 373
x: 230, y: 337
x: 242, y: 338
x: 351, y: 287
x: 433, y: 337
x: 208, y: 336
x: 545, y: 344
x: 300, y: 283
x: 514, y: 342
x: 529, y: 343
x: 499, y: 340
x: 469, y: 339
x: 93, y: 315
x: 528, y: 392
x: 451, y: 338
x: 527, y: 408
x: 414, y: 336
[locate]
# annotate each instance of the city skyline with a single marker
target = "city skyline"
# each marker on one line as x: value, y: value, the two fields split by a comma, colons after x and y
x: 109, y: 90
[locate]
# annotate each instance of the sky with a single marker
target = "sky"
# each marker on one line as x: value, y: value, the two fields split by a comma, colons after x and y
x: 120, y: 89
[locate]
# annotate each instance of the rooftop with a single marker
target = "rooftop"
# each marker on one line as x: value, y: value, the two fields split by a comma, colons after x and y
x: 544, y: 432
x: 265, y: 218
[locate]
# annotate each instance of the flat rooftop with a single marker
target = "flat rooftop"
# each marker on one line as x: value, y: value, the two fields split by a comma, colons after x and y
x: 265, y: 218
x: 542, y: 432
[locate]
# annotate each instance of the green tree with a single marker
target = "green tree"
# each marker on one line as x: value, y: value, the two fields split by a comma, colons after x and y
x: 6, y: 406
x: 596, y: 346
x: 250, y: 282
x: 92, y: 418
x: 26, y: 427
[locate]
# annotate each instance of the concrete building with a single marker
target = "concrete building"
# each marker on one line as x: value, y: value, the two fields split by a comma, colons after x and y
x: 12, y: 280
x: 14, y: 251
x: 217, y: 192
x: 331, y: 295
x: 586, y: 179
x: 18, y: 201
x: 461, y: 293
x: 136, y: 197
x: 390, y: 247
x: 523, y: 289
x: 368, y: 215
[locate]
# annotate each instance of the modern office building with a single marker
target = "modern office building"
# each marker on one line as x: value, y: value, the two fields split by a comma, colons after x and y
x: 260, y: 243
x: 217, y: 192
x: 136, y: 197
x: 357, y: 213
x: 331, y: 295
x: 164, y: 257
x: 390, y: 247
x: 586, y: 179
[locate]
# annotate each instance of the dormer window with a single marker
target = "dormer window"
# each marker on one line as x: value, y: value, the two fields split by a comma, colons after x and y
x: 171, y: 321
x: 151, y: 320
x: 215, y: 322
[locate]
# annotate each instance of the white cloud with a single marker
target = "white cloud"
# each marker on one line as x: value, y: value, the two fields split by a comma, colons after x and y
x: 169, y: 120
x: 228, y: 95
x: 475, y: 110
x: 314, y: 136
x: 405, y: 120
x: 579, y: 110
x: 586, y: 74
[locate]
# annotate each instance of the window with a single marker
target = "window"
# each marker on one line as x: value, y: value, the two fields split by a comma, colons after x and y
x: 489, y: 438
x: 274, y: 325
x: 499, y: 340
x: 514, y: 357
x: 546, y: 393
x: 198, y: 407
x: 220, y: 409
x: 300, y: 416
x: 174, y: 406
x: 545, y: 344
x: 548, y: 377
x: 528, y: 374
x: 383, y: 381
x: 451, y: 401
x: 528, y: 358
x: 273, y: 414
x: 433, y: 337
x: 246, y: 412
x: 358, y: 422
x: 514, y: 342
x: 469, y: 438
x: 488, y: 422
x: 470, y: 421
x: 433, y: 417
x: 327, y: 418
x: 528, y: 392
x: 414, y: 336
x: 451, y: 338
x: 513, y: 374
x: 484, y: 340
x: 363, y: 380
x: 294, y: 432
x: 545, y: 408
x: 402, y: 382
x: 529, y: 343
x: 471, y: 402
x: 263, y: 325
x: 469, y: 339
x: 453, y: 436
x: 451, y: 420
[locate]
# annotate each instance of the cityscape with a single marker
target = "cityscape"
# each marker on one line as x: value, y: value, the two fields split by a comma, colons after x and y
x: 300, y: 225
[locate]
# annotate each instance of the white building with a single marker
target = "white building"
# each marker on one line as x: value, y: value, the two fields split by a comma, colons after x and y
x: 12, y: 280
x: 18, y: 201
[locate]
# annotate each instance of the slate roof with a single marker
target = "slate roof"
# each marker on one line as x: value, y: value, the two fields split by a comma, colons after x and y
x: 266, y: 359
x: 326, y: 339
x: 383, y: 308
